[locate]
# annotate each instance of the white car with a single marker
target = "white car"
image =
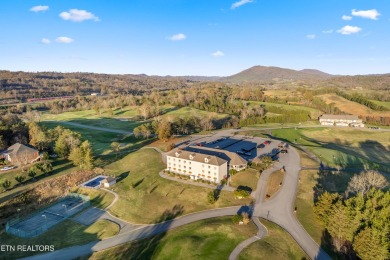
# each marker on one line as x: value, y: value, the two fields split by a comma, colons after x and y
x: 6, y: 168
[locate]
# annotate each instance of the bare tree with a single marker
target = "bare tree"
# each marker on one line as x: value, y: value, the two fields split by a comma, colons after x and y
x: 364, y: 181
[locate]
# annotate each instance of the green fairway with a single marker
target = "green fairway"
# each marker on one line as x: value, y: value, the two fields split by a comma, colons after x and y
x: 313, y: 112
x: 277, y: 245
x: 246, y: 178
x: 383, y: 104
x: 207, y: 239
x: 348, y: 147
x: 65, y: 234
x: 145, y: 196
x: 189, y: 111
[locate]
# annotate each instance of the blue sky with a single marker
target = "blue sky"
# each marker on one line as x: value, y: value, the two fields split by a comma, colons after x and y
x: 195, y: 37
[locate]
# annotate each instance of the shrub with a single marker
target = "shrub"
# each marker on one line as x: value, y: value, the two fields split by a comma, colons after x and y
x: 237, y: 218
x: 241, y: 193
x: 211, y: 197
x: 232, y: 172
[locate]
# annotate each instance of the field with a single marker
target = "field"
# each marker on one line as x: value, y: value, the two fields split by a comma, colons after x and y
x: 350, y: 148
x: 65, y: 234
x: 207, y: 239
x: 189, y: 111
x: 351, y: 107
x: 274, y: 183
x: 383, y: 104
x: 277, y: 245
x: 145, y: 196
x: 314, y: 113
x: 60, y: 167
x: 98, y: 198
x: 246, y: 178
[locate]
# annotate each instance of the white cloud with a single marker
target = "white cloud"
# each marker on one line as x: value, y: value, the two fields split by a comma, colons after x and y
x: 347, y: 30
x: 240, y: 3
x: 64, y: 39
x: 39, y: 8
x: 369, y: 14
x: 218, y: 54
x: 327, y: 31
x: 45, y: 41
x: 76, y: 15
x: 311, y: 36
x: 346, y: 18
x: 177, y: 37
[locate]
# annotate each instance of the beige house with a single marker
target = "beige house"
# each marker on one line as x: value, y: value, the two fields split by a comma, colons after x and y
x: 235, y: 161
x: 21, y: 154
x: 197, y: 165
x: 341, y: 120
x: 108, y: 182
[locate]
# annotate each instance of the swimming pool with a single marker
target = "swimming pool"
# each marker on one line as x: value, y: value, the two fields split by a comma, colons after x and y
x: 94, y: 183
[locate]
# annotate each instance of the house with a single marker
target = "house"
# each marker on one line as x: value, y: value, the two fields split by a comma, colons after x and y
x: 197, y: 165
x: 21, y: 154
x: 235, y: 161
x: 341, y: 120
x: 108, y: 182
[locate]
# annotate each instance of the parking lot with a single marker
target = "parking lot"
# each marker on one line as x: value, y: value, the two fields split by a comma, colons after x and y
x: 247, y: 147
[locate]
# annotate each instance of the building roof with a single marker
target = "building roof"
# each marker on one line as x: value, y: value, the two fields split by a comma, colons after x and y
x: 197, y: 157
x: 19, y: 149
x: 233, y: 158
x: 340, y: 117
x: 108, y: 180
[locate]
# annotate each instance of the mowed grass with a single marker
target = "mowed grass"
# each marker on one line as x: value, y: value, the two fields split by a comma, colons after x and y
x: 351, y: 107
x: 246, y: 178
x: 60, y: 167
x: 313, y: 112
x: 189, y: 111
x: 164, y: 145
x: 383, y: 104
x: 64, y: 234
x: 100, y: 140
x: 304, y: 202
x: 145, y: 196
x: 98, y: 198
x: 274, y: 183
x: 277, y: 245
x: 349, y: 147
x: 206, y: 239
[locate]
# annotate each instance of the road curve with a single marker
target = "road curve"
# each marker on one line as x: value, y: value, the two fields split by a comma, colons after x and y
x: 140, y: 233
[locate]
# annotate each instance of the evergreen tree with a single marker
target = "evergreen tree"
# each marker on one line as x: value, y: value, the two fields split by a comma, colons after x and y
x: 368, y: 246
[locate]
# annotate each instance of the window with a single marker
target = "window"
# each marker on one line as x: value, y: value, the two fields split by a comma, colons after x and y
x: 209, y: 166
x: 209, y: 172
x: 202, y: 165
x: 189, y: 168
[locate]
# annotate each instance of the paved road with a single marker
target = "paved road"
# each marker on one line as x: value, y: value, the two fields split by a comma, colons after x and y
x: 261, y: 233
x: 140, y: 233
x: 104, y: 129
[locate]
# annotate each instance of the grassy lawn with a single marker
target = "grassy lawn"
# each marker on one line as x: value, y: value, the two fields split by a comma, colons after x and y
x: 163, y: 145
x: 189, y: 111
x: 273, y: 183
x: 65, y: 234
x: 380, y: 103
x: 313, y: 112
x: 277, y: 245
x: 352, y: 148
x: 246, y: 178
x: 60, y: 167
x: 351, y: 107
x: 207, y: 239
x: 99, y: 198
x: 145, y: 196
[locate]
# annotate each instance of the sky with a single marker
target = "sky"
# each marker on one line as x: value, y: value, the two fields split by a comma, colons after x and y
x: 195, y: 37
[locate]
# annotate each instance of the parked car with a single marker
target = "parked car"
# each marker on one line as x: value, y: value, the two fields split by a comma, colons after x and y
x: 261, y: 146
x: 53, y: 155
x: 6, y: 168
x: 267, y: 142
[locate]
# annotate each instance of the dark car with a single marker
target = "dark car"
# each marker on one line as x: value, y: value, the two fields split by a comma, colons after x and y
x: 261, y: 146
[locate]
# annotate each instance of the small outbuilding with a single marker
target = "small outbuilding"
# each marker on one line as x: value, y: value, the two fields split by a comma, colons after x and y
x: 108, y: 182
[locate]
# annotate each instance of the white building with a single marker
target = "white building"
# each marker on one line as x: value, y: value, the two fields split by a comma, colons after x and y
x: 197, y: 165
x: 108, y: 182
x: 235, y: 161
x: 341, y: 120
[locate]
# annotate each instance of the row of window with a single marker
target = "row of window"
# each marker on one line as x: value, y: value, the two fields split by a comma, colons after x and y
x: 185, y: 161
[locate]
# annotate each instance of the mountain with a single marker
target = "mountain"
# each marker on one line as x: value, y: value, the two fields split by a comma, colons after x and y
x: 266, y: 74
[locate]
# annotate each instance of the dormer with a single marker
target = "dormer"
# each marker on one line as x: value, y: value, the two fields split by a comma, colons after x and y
x: 207, y: 159
x: 192, y: 156
x: 177, y: 154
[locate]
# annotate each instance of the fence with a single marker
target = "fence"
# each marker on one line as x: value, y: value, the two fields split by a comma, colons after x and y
x: 47, y: 217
